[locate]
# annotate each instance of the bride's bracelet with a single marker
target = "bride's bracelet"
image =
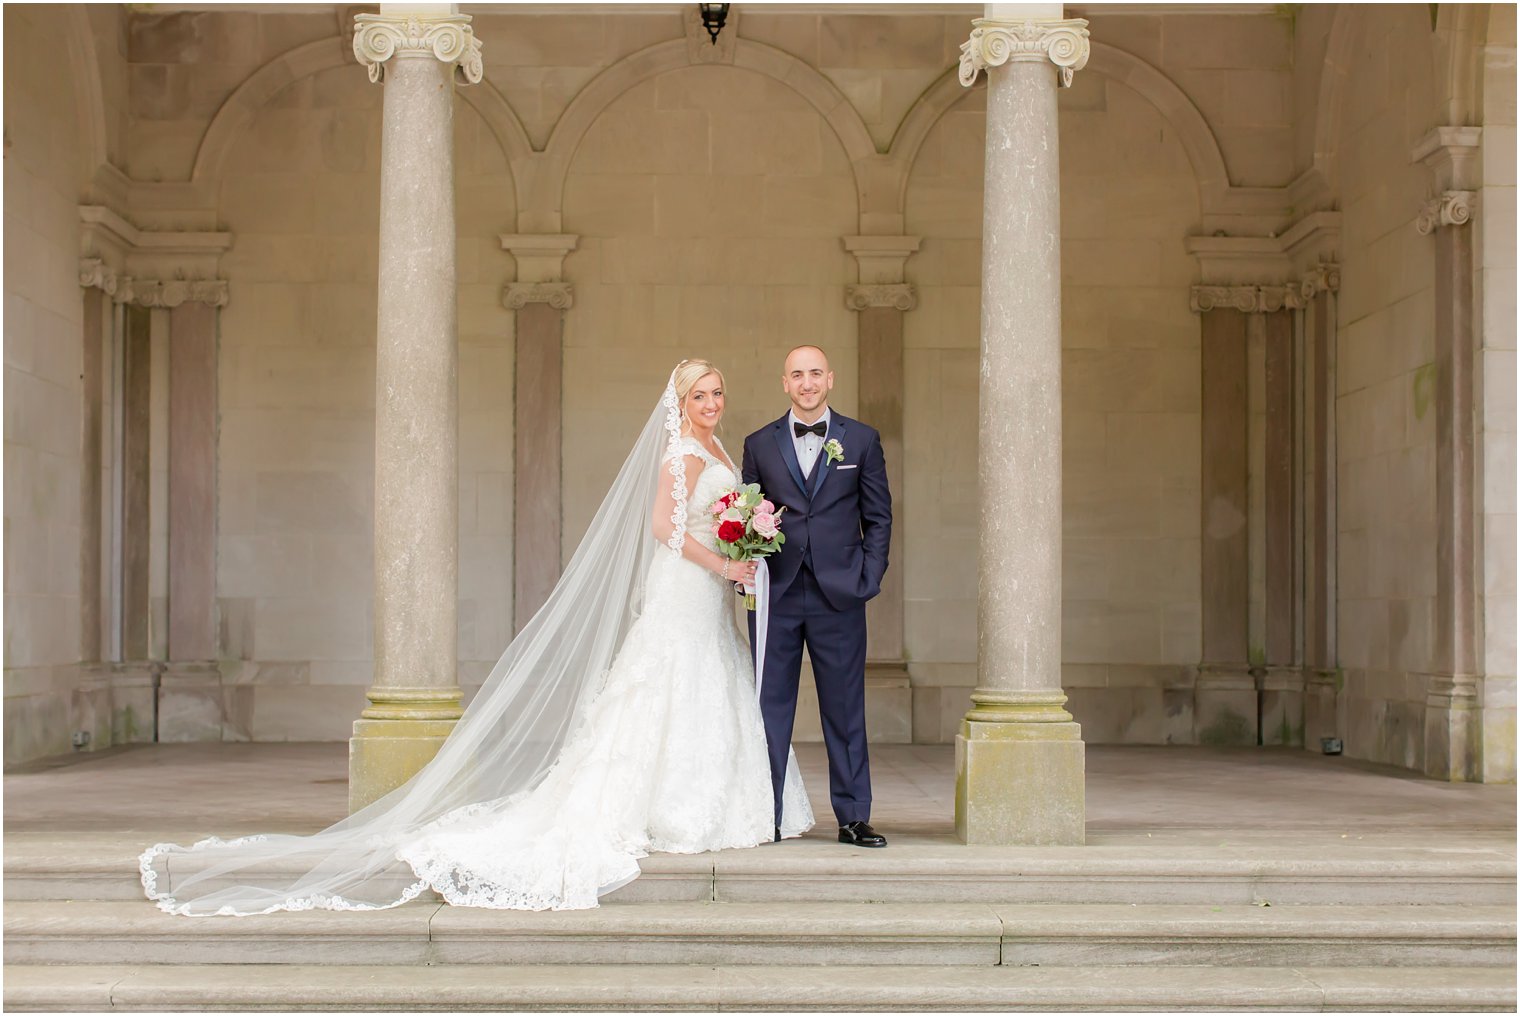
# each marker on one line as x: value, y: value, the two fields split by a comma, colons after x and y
x: 726, y: 563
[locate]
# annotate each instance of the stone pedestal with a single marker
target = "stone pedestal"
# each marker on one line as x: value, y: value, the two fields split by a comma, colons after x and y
x: 1019, y: 754
x: 415, y: 696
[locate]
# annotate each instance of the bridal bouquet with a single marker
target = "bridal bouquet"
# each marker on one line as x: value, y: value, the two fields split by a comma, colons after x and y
x: 747, y: 526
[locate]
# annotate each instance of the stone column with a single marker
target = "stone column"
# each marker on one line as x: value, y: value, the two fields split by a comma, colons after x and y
x: 539, y: 299
x: 415, y: 697
x: 1019, y: 754
x: 880, y: 300
x: 1453, y: 710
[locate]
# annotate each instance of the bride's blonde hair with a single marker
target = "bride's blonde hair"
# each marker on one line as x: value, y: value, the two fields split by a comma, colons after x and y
x: 688, y: 373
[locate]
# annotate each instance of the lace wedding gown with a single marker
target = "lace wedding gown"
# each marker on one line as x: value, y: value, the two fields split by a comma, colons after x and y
x: 670, y: 756
x: 621, y: 720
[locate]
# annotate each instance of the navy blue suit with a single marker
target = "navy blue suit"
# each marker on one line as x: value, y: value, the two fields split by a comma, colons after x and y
x: 838, y: 525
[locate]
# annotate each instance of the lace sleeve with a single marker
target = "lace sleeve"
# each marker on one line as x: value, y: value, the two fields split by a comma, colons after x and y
x: 675, y: 464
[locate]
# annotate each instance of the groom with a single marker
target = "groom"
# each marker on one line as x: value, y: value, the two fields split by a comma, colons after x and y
x: 830, y: 474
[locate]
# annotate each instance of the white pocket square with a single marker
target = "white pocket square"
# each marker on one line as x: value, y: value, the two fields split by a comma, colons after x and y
x: 855, y: 466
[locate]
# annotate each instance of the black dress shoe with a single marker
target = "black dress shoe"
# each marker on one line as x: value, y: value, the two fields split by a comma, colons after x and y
x: 778, y: 835
x: 860, y: 834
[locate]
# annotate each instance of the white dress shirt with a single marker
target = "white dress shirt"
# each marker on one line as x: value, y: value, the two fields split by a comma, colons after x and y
x: 808, y: 445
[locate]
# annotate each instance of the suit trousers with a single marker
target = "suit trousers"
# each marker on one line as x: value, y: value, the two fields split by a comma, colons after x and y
x: 836, y: 644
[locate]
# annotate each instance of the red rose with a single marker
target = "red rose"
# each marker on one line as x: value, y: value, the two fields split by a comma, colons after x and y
x: 729, y: 498
x: 731, y: 532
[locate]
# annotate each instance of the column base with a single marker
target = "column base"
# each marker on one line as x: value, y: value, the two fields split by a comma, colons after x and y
x: 1282, y: 706
x: 1322, y: 708
x: 190, y: 702
x: 134, y: 701
x: 1225, y: 705
x: 1453, y: 728
x: 1020, y: 773
x: 384, y: 754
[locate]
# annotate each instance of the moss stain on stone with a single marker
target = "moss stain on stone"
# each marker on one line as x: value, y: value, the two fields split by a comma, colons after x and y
x: 1228, y: 728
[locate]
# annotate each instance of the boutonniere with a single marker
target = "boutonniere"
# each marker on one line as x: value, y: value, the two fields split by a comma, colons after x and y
x: 834, y: 450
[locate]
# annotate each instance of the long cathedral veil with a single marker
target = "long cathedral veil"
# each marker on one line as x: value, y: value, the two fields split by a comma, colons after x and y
x: 502, y: 746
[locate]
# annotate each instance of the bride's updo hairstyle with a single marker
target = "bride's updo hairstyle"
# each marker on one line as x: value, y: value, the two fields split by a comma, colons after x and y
x: 688, y: 373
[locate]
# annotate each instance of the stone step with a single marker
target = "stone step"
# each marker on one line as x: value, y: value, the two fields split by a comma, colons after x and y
x: 792, y: 988
x: 51, y: 932
x: 41, y: 868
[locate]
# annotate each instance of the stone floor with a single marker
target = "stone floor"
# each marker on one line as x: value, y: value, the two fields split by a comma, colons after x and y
x: 1135, y: 795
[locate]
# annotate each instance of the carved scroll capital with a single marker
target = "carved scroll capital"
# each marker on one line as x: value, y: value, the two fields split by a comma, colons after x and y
x: 900, y: 295
x: 172, y: 292
x: 379, y: 37
x: 995, y: 41
x: 517, y: 295
x: 1322, y: 278
x: 96, y: 274
x: 1452, y: 208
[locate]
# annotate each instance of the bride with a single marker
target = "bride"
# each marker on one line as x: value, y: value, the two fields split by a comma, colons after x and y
x: 621, y: 720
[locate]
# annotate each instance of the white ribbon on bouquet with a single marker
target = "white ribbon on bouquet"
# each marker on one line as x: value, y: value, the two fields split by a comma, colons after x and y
x: 761, y: 591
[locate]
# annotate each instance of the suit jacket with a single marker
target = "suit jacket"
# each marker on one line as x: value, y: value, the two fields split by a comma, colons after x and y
x: 838, y: 520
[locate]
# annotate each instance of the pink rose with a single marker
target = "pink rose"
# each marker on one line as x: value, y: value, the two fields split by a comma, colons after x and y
x: 765, y: 524
x: 766, y: 508
x: 731, y: 515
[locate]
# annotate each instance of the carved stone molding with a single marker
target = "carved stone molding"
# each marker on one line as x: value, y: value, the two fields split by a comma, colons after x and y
x: 900, y: 295
x: 995, y: 41
x: 1452, y: 691
x: 170, y: 293
x: 881, y: 257
x: 1453, y: 155
x: 517, y: 295
x: 96, y: 274
x: 1453, y: 208
x: 378, y: 37
x: 1247, y: 299
x: 540, y: 257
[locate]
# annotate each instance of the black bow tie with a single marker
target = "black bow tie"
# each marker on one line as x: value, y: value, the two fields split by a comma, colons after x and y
x: 820, y: 428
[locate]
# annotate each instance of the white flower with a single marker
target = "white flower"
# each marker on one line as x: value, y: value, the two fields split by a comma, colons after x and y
x: 834, y: 450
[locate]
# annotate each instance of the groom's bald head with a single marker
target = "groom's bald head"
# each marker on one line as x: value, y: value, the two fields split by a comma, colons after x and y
x: 805, y: 353
x: 806, y: 379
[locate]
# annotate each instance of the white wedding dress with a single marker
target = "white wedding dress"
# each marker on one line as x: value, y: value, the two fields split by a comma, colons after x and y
x: 669, y: 756
x: 621, y: 720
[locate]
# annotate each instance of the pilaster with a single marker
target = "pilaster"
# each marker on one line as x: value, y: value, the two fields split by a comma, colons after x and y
x: 1453, y: 704
x: 880, y: 299
x: 1262, y: 419
x: 539, y: 298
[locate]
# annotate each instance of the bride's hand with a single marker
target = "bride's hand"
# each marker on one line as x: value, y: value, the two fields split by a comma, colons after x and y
x: 741, y: 572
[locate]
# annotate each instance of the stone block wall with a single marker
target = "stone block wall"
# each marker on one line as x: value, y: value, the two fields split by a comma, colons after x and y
x: 44, y: 523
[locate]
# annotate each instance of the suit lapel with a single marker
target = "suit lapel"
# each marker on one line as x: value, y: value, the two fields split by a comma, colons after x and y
x: 823, y: 466
x: 789, y: 453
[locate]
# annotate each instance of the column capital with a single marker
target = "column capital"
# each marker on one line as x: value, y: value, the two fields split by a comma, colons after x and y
x: 1265, y: 298
x: 1452, y: 208
x: 996, y: 41
x: 94, y: 273
x: 446, y: 37
x: 900, y: 295
x: 517, y: 295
